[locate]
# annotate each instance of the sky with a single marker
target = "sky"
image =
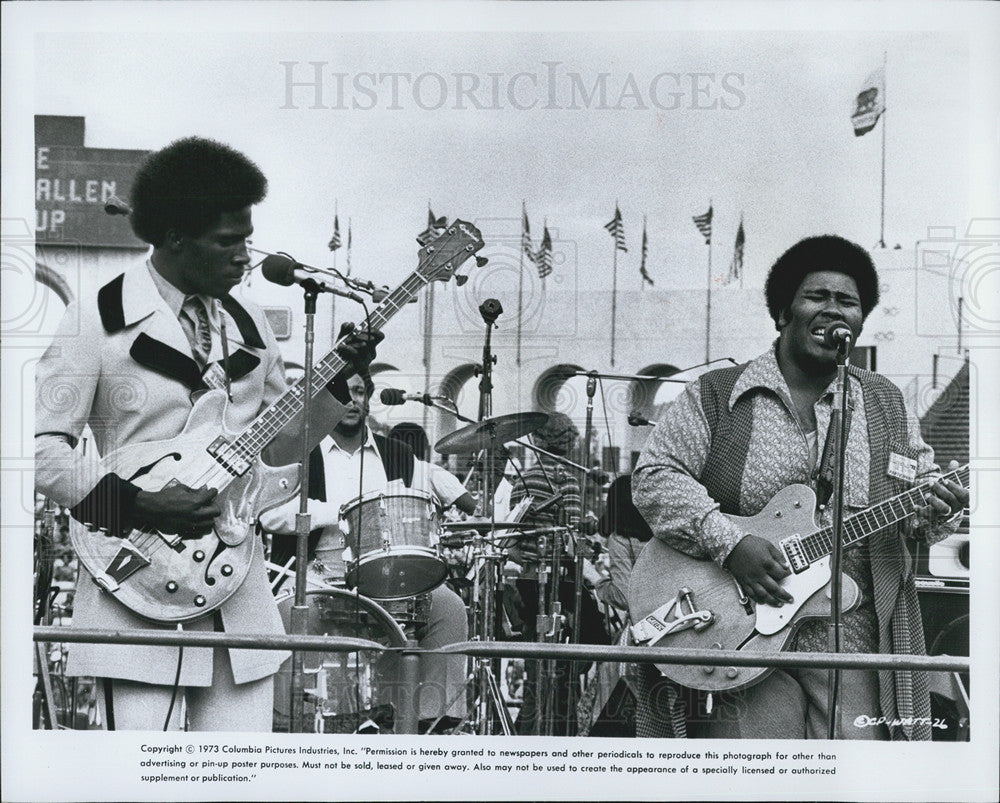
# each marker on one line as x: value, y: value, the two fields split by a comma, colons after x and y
x: 776, y: 150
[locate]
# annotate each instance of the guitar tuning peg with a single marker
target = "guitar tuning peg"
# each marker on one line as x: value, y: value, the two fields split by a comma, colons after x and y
x: 481, y: 261
x: 460, y: 280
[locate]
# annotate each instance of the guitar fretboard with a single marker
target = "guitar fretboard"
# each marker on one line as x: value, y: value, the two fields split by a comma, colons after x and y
x: 877, y: 517
x: 254, y: 438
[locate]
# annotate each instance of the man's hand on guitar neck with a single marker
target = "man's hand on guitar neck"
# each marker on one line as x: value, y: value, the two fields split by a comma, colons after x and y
x: 188, y: 512
x: 946, y: 498
x: 759, y: 567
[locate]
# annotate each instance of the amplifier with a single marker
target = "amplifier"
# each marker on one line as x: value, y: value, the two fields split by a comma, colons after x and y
x: 941, y: 574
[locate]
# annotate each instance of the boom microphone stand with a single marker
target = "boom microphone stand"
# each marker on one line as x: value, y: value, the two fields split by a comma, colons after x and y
x: 837, y: 420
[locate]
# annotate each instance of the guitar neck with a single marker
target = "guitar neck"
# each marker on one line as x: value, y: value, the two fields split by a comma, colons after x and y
x: 878, y: 517
x: 255, y: 437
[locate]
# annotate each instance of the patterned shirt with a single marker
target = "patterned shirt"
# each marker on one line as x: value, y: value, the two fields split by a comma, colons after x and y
x: 680, y: 512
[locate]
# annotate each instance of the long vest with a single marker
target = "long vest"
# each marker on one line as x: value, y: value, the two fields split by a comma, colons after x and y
x: 904, y: 695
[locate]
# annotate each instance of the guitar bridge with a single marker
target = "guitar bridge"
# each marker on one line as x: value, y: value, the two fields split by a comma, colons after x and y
x: 654, y: 627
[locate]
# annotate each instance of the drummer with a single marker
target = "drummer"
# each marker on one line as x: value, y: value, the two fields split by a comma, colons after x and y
x: 350, y: 462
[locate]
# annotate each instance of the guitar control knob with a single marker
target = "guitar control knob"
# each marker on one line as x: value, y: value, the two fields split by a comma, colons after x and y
x: 199, y: 601
x: 732, y: 672
x: 199, y: 555
x: 708, y: 670
x: 226, y: 570
x: 171, y: 587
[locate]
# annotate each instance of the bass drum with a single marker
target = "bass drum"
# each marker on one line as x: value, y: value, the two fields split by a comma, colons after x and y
x: 340, y: 688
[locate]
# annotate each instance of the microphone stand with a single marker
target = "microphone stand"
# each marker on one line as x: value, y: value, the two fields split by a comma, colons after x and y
x: 577, y: 552
x: 837, y: 420
x: 484, y: 599
x: 299, y: 620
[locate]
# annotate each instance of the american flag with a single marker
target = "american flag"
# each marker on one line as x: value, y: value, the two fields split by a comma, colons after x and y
x: 334, y: 243
x: 736, y: 266
x: 642, y: 262
x: 435, y: 228
x: 704, y: 224
x: 544, y: 256
x: 616, y: 230
x: 526, y: 235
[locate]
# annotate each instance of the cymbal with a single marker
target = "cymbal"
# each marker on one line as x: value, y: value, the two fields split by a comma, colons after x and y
x: 500, y: 429
x: 479, y: 525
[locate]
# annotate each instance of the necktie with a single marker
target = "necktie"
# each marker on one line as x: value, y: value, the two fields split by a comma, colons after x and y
x: 194, y: 318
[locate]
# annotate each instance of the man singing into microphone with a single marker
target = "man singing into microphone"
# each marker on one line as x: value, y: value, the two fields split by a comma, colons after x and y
x: 737, y: 436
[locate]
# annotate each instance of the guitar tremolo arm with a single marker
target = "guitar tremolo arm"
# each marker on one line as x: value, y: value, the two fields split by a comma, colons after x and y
x: 658, y: 624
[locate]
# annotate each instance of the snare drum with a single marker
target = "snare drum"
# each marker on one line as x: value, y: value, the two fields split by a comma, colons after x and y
x: 340, y: 688
x: 394, y: 537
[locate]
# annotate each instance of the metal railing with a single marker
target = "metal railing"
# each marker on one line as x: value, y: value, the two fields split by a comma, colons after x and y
x: 509, y: 649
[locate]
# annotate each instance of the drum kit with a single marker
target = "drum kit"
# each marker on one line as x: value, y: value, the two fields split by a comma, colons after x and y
x: 379, y: 589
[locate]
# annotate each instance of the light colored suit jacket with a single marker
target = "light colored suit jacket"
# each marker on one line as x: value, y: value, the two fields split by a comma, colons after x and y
x: 120, y: 364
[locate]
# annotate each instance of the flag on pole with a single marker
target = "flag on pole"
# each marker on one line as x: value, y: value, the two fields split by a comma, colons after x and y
x: 704, y: 224
x: 544, y: 256
x: 736, y: 266
x: 616, y: 230
x: 526, y: 235
x: 334, y: 243
x: 348, y: 246
x: 435, y: 228
x: 642, y: 262
x: 869, y: 103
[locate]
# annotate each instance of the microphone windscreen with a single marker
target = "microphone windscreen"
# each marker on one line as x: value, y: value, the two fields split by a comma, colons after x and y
x: 391, y: 396
x: 116, y: 206
x: 278, y: 269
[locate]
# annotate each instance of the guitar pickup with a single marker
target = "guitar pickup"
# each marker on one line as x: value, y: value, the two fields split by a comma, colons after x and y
x: 797, y: 559
x: 656, y: 625
x: 228, y: 457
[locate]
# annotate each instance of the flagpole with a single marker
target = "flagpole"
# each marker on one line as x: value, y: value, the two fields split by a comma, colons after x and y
x: 885, y: 112
x: 333, y: 297
x: 520, y: 282
x: 614, y: 290
x: 428, y: 333
x: 708, y: 291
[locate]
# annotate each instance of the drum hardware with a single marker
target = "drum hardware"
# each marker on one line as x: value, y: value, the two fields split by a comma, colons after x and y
x: 340, y: 687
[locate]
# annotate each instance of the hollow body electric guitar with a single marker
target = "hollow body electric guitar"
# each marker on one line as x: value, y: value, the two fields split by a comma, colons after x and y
x: 166, y: 579
x: 680, y: 601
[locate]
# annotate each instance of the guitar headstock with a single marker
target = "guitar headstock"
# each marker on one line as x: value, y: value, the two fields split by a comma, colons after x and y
x: 441, y: 258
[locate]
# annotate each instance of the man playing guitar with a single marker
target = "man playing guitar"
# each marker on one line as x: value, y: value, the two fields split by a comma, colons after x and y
x: 129, y: 365
x: 738, y: 436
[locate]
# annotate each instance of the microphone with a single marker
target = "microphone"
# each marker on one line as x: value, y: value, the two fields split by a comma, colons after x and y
x: 116, y: 206
x: 546, y: 503
x: 394, y: 396
x: 636, y: 420
x: 838, y: 335
x: 286, y: 271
